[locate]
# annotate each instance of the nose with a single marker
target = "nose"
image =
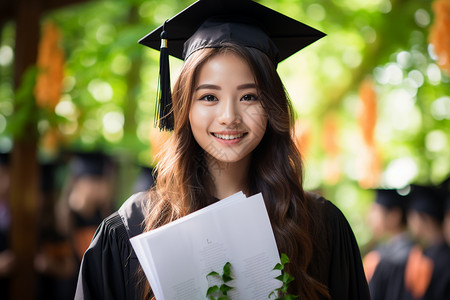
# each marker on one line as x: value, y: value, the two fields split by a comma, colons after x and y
x: 228, y: 112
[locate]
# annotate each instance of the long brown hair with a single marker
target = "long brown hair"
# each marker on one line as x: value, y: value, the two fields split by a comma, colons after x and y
x: 183, y: 184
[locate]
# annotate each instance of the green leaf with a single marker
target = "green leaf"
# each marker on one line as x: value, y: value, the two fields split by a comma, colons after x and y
x: 289, y: 279
x: 223, y: 298
x: 284, y: 259
x: 286, y: 277
x: 212, y: 290
x: 227, y: 268
x: 280, y: 277
x: 278, y: 266
x: 213, y: 273
x: 225, y: 288
x: 226, y: 278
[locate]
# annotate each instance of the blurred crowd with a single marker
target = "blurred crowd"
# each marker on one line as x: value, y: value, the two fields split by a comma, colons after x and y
x: 76, y: 194
x: 411, y: 255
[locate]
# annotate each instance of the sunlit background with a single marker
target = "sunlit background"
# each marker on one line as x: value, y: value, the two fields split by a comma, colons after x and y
x: 372, y: 97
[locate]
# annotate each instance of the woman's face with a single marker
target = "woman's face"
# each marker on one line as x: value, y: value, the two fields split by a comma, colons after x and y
x: 226, y: 116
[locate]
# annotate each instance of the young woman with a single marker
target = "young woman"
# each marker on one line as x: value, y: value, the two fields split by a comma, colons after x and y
x: 232, y: 131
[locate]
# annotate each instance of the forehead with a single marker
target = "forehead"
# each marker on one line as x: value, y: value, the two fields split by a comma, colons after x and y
x: 225, y: 65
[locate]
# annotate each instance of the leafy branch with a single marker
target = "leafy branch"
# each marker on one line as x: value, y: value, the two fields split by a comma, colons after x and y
x: 222, y: 290
x: 281, y: 293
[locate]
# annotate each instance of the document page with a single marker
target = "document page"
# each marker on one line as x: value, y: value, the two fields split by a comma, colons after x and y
x: 177, y: 257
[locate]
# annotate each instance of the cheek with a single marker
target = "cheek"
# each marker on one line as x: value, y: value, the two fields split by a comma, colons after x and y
x: 199, y: 118
x: 257, y: 120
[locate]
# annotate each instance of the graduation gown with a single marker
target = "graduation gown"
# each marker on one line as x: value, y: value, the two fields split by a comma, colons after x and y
x: 108, y: 269
x: 387, y: 282
x: 439, y: 288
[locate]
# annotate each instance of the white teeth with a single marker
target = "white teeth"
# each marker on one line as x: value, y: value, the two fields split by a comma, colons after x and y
x: 228, y: 136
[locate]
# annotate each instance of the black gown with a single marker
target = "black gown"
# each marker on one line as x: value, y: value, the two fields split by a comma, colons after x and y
x: 387, y: 282
x: 439, y: 288
x: 108, y: 269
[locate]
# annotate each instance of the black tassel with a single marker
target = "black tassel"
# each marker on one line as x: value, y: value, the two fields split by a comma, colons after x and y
x: 164, y: 97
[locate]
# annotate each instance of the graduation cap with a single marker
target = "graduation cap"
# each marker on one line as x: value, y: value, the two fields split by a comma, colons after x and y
x: 447, y: 202
x: 427, y: 199
x: 47, y: 176
x: 445, y: 188
x: 4, y: 159
x: 210, y: 24
x: 390, y: 198
x: 89, y: 163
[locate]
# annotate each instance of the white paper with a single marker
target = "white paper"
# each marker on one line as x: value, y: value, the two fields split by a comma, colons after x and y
x: 177, y: 257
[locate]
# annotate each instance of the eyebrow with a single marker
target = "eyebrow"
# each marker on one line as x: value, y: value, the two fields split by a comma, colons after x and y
x: 216, y: 87
x: 207, y: 87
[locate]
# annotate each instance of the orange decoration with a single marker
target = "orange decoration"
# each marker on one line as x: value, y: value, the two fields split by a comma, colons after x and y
x: 440, y: 33
x: 368, y: 160
x: 367, y: 116
x: 370, y: 263
x: 82, y: 239
x: 369, y: 165
x: 418, y: 273
x: 330, y: 141
x: 302, y: 136
x: 51, y: 140
x: 330, y: 135
x: 50, y: 63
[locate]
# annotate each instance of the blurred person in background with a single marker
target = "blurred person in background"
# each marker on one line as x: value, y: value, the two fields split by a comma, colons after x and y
x: 446, y: 224
x: 87, y: 198
x: 427, y: 274
x: 145, y: 179
x: 384, y: 266
x: 6, y: 256
x: 55, y: 261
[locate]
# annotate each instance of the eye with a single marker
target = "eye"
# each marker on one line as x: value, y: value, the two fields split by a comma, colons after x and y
x: 249, y: 97
x: 208, y: 98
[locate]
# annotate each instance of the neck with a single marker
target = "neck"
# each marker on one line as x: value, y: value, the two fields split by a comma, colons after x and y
x: 396, y: 232
x: 229, y: 178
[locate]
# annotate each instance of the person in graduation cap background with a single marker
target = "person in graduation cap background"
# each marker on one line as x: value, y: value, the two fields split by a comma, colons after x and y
x: 385, y: 264
x: 232, y: 125
x: 427, y: 274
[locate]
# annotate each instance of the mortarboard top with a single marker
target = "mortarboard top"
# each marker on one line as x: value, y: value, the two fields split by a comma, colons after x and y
x: 89, y: 163
x: 287, y: 34
x: 4, y: 159
x: 390, y: 198
x: 47, y: 176
x: 447, y: 202
x: 445, y: 188
x: 426, y: 199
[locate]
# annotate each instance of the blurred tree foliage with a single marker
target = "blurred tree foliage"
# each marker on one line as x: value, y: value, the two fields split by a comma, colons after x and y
x: 373, y: 105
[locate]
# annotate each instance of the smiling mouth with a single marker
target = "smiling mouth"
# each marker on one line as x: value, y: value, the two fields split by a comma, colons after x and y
x: 228, y: 136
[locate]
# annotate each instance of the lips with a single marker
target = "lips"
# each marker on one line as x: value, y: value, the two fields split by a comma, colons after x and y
x: 228, y: 137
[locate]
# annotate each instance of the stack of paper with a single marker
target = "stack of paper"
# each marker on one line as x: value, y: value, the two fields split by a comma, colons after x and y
x: 177, y: 257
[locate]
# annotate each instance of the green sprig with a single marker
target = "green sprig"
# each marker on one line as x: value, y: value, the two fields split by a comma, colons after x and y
x: 281, y: 293
x: 220, y: 291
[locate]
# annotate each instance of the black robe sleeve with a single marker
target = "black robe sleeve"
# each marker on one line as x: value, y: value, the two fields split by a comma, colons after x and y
x: 346, y: 278
x: 109, y: 265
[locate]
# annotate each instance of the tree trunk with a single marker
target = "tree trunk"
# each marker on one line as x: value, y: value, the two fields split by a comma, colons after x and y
x: 24, y: 166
